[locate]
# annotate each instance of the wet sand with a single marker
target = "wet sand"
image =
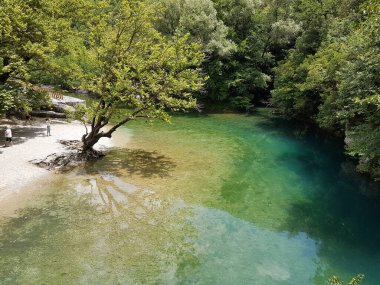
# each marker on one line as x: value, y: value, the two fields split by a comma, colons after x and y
x: 29, y: 143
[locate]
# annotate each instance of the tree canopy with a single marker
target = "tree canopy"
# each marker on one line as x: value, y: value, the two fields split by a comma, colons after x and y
x: 135, y: 70
x: 336, y: 82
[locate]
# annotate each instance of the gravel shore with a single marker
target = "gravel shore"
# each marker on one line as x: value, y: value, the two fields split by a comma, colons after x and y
x: 31, y: 142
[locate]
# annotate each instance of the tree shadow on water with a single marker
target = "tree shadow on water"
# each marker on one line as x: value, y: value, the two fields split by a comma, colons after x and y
x: 345, y: 229
x: 135, y: 161
x: 338, y: 215
x: 301, y: 131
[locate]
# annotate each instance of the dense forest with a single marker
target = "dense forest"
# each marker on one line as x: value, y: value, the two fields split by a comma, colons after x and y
x: 311, y: 60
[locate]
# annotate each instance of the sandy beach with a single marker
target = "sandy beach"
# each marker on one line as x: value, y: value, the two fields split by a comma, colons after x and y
x: 31, y: 142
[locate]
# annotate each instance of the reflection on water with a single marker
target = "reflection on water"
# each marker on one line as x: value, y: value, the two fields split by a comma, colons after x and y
x: 223, y: 199
x: 111, y: 233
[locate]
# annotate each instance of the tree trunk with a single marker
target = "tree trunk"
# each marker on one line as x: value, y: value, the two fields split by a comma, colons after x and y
x: 4, y: 76
x: 88, y: 144
x: 91, y: 139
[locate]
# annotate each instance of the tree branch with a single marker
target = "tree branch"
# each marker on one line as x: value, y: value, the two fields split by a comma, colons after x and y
x: 127, y: 119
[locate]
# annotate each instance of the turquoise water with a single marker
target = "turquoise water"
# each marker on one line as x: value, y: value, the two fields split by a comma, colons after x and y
x: 217, y: 199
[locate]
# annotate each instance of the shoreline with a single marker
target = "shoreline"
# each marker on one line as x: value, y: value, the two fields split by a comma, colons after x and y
x: 29, y: 143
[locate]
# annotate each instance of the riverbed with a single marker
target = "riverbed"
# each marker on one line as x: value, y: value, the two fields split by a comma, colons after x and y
x: 208, y: 199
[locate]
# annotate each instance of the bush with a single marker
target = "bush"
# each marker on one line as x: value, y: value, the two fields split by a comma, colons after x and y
x: 241, y: 103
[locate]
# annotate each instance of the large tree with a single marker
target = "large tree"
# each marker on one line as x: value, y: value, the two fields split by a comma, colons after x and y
x: 135, y: 71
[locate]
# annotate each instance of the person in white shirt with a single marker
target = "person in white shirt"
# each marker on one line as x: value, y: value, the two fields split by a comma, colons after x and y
x: 8, y: 136
x: 48, y: 127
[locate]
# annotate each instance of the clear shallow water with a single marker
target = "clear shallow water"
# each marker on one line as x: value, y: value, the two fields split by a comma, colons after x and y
x: 219, y: 199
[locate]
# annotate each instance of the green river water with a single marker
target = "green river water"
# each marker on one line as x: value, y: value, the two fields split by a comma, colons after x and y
x: 217, y: 199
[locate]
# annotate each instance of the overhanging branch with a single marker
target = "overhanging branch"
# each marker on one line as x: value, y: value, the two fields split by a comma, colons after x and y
x: 127, y: 119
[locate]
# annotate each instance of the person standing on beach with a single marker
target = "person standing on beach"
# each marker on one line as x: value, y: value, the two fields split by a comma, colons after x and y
x: 48, y: 127
x: 27, y: 118
x: 8, y: 136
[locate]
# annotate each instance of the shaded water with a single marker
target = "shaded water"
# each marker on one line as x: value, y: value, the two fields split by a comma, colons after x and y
x: 218, y: 199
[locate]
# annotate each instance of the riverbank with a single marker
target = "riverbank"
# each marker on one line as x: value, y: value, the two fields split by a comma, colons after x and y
x: 29, y: 143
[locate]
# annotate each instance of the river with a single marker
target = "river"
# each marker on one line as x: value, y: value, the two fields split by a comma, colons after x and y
x: 209, y: 199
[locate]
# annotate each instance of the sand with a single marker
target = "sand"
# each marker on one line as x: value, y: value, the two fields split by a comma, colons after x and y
x: 31, y: 142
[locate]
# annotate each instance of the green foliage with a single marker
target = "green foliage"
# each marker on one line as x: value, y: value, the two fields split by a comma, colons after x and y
x: 199, y: 19
x: 81, y: 112
x: 32, y: 35
x: 135, y: 68
x: 237, y: 15
x: 139, y: 68
x: 15, y: 97
x: 258, y: 30
x: 27, y: 36
x: 354, y: 281
x: 240, y: 103
x: 335, y: 80
x: 6, y: 100
x: 243, y: 40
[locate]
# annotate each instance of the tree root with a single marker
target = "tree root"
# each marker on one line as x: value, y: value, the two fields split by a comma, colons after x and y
x: 68, y: 160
